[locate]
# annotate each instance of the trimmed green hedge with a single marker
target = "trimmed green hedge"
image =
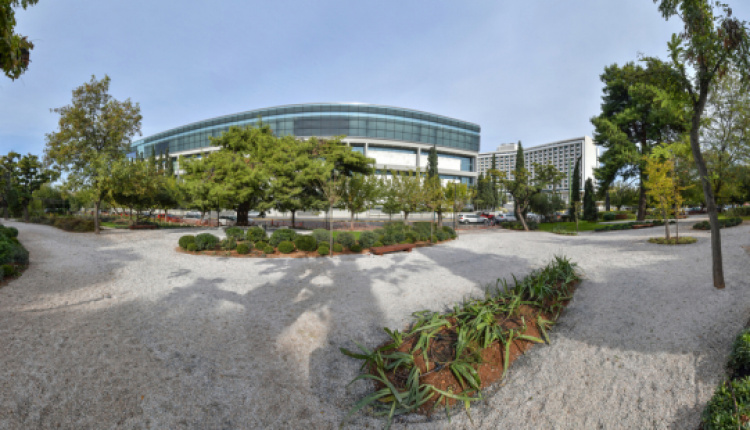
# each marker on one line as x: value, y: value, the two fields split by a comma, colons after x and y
x: 205, y: 241
x: 306, y: 243
x: 723, y: 223
x: 729, y: 407
x: 186, y: 240
x: 281, y: 235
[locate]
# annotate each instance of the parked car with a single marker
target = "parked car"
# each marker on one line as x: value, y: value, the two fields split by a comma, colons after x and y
x: 192, y: 215
x: 696, y: 210
x: 503, y: 217
x: 227, y: 220
x: 531, y: 216
x: 472, y: 219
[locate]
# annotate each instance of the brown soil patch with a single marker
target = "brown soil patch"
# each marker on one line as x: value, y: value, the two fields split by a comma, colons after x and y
x: 441, y: 352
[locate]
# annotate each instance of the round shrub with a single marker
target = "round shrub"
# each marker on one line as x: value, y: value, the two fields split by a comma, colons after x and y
x: 345, y: 238
x: 235, y: 232
x: 8, y: 270
x: 281, y: 235
x: 186, y: 240
x: 244, y: 248
x: 268, y: 249
x: 256, y: 234
x: 306, y: 243
x: 337, y: 247
x: 321, y: 235
x: 411, y: 236
x: 286, y: 247
x: 323, y: 249
x: 11, y: 231
x: 449, y: 231
x: 441, y: 235
x: 261, y: 245
x: 228, y: 244
x: 192, y: 247
x: 205, y: 241
x: 355, y: 248
x: 388, y: 239
x: 367, y: 239
x: 377, y: 244
x: 609, y: 216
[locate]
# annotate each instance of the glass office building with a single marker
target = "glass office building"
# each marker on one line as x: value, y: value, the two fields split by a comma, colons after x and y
x: 397, y: 138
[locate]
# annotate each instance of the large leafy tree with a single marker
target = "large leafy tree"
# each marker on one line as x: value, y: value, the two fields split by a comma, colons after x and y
x: 8, y: 174
x: 408, y: 190
x: 14, y: 48
x: 30, y: 178
x: 358, y: 193
x: 711, y: 44
x: 640, y: 109
x: 94, y: 132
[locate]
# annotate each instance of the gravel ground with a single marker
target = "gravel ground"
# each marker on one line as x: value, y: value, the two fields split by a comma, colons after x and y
x: 121, y: 331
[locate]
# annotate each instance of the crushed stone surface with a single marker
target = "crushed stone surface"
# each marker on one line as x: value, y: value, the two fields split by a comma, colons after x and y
x: 121, y: 331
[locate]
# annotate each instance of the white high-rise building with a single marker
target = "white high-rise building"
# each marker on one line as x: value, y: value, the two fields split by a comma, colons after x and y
x: 562, y: 154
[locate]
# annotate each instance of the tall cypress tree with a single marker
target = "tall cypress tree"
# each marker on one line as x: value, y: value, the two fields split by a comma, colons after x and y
x: 589, y: 201
x: 520, y: 164
x: 575, y: 187
x: 495, y: 198
x: 169, y: 165
x: 432, y: 163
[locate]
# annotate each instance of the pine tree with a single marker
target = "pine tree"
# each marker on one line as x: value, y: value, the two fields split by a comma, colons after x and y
x: 432, y: 163
x: 575, y: 188
x: 589, y: 202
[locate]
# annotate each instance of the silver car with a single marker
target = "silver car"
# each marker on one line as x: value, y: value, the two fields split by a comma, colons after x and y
x: 503, y: 217
x: 472, y: 219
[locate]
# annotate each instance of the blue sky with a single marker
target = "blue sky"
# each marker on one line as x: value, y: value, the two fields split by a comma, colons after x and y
x: 524, y: 71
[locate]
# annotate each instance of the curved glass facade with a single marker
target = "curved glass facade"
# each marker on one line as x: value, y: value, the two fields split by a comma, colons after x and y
x: 325, y: 119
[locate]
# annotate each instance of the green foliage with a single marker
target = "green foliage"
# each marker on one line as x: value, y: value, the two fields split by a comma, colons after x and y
x: 206, y: 241
x: 192, y: 247
x: 235, y: 232
x: 306, y: 243
x: 345, y: 238
x: 723, y: 223
x: 608, y: 216
x: 367, y: 239
x: 323, y: 249
x: 9, y: 270
x: 739, y: 212
x: 516, y: 225
x: 684, y: 240
x: 256, y: 234
x: 589, y: 202
x: 575, y: 188
x: 186, y: 240
x: 739, y: 358
x: 441, y: 235
x: 286, y: 247
x: 356, y: 248
x: 268, y: 249
x: 80, y: 225
x: 9, y: 231
x: 261, y: 245
x: 411, y: 237
x: 244, y: 248
x: 449, y: 231
x: 422, y: 228
x: 228, y: 244
x: 321, y: 235
x: 337, y: 247
x: 729, y: 406
x: 282, y: 234
x: 377, y: 244
x: 14, y: 48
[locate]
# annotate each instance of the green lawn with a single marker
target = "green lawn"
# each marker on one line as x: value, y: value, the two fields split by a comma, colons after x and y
x: 571, y: 226
x: 356, y: 234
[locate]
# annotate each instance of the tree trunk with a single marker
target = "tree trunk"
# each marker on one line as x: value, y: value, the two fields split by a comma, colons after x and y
x: 665, y: 212
x: 713, y: 216
x: 96, y: 216
x: 330, y: 230
x: 294, y: 217
x: 440, y: 219
x: 606, y: 203
x: 641, y: 200
x: 406, y: 216
x: 242, y: 212
x: 26, y: 213
x: 522, y: 218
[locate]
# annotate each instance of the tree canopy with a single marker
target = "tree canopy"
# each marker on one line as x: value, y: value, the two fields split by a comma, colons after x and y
x: 14, y: 48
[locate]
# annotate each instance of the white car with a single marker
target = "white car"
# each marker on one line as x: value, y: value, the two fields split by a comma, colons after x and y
x: 531, y: 216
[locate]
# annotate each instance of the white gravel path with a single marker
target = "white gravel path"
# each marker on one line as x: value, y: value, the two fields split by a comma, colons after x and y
x: 121, y: 331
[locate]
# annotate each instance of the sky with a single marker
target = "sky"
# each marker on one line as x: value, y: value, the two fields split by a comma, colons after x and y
x: 525, y: 71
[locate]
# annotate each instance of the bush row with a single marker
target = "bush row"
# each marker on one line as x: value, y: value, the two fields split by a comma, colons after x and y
x: 68, y: 223
x: 629, y: 225
x: 738, y: 212
x: 517, y: 225
x: 287, y: 240
x: 12, y: 253
x: 725, y: 222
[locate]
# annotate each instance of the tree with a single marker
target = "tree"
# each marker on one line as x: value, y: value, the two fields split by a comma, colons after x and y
x: 94, y: 132
x: 134, y: 184
x: 640, y: 109
x: 9, y: 165
x: 31, y: 177
x: 358, y: 193
x: 589, y: 201
x: 523, y: 187
x: 432, y: 163
x: 14, y: 48
x: 661, y: 186
x: 458, y: 196
x: 389, y: 194
x: 575, y: 188
x: 709, y: 46
x: 622, y: 194
x: 546, y: 204
x: 520, y: 165
x: 408, y: 190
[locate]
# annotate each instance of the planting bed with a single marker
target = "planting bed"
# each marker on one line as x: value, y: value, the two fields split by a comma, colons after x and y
x: 443, y: 359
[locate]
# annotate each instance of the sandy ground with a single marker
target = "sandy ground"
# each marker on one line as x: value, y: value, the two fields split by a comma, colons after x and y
x: 121, y: 331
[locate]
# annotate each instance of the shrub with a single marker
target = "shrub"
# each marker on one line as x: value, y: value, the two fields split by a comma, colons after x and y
x: 723, y: 223
x: 441, y: 235
x: 268, y: 249
x: 286, y: 247
x: 449, y: 231
x: 367, y: 239
x: 356, y: 248
x: 377, y: 244
x: 11, y: 251
x: 739, y: 212
x: 192, y: 247
x: 235, y: 232
x: 517, y: 225
x: 412, y: 236
x: 321, y: 235
x: 281, y: 235
x: 394, y: 232
x: 9, y: 231
x: 422, y: 230
x: 186, y: 240
x: 345, y: 238
x: 608, y: 216
x: 228, y: 244
x: 306, y: 243
x: 739, y: 358
x: 729, y: 406
x: 9, y: 270
x: 261, y: 245
x: 684, y: 240
x: 244, y: 248
x: 74, y: 224
x: 205, y: 241
x: 323, y: 249
x: 337, y: 247
x: 256, y: 234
